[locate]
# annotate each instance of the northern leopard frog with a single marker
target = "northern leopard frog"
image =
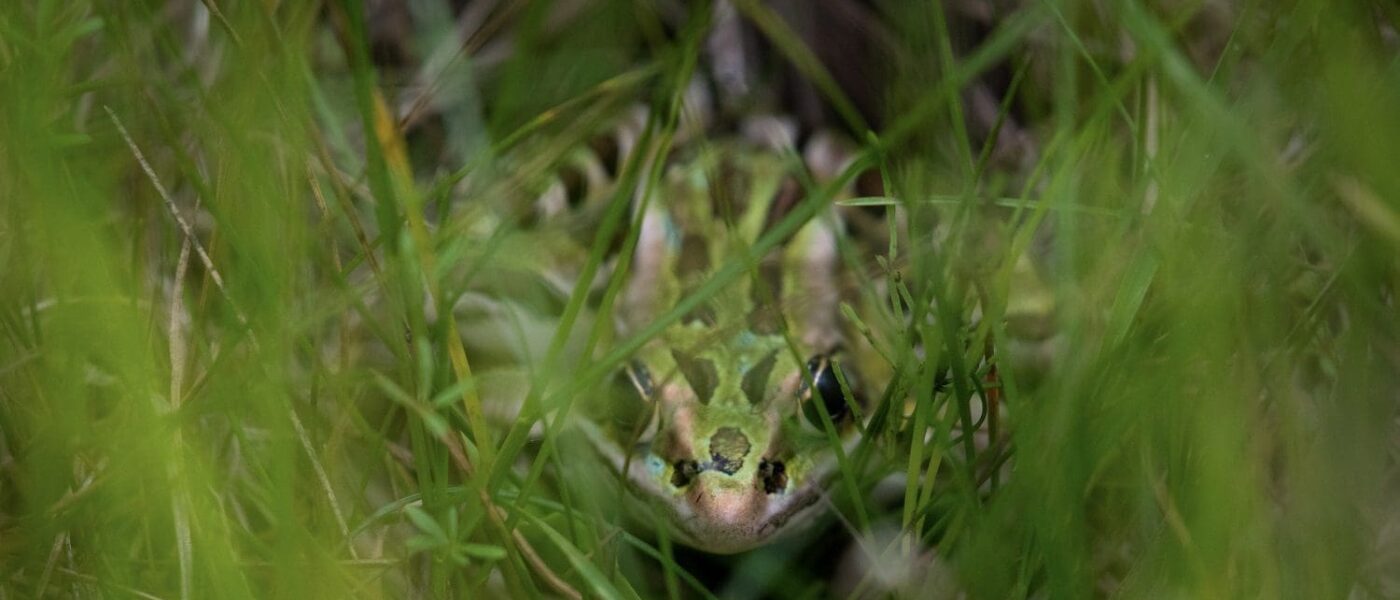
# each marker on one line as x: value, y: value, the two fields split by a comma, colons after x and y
x: 716, y: 424
x: 726, y: 424
x: 721, y: 429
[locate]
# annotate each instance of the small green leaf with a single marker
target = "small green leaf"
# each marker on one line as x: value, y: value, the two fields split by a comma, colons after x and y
x: 426, y: 524
x: 422, y: 543
x: 483, y: 551
x: 433, y: 421
x: 1130, y: 296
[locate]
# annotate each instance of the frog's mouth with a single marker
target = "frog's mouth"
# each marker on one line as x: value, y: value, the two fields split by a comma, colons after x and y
x: 723, y: 515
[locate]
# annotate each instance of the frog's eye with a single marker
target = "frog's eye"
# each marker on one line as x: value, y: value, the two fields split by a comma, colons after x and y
x: 633, y: 408
x: 821, y: 385
x: 640, y: 379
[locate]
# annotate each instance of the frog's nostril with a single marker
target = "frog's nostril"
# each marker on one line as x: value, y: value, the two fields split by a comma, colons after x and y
x: 683, y: 472
x: 773, y: 475
x: 728, y: 447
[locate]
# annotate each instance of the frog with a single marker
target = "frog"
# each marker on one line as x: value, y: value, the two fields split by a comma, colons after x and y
x: 725, y: 415
x: 725, y: 426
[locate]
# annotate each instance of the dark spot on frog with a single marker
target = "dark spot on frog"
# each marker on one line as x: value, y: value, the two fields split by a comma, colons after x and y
x: 767, y: 288
x: 731, y: 194
x: 606, y: 148
x: 728, y: 447
x: 575, y: 185
x: 695, y: 254
x: 755, y: 382
x: 699, y: 372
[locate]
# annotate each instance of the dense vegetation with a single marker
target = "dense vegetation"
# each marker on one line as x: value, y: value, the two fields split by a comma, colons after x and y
x: 228, y: 229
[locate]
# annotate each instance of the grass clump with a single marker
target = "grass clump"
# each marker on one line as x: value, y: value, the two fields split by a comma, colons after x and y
x: 230, y: 234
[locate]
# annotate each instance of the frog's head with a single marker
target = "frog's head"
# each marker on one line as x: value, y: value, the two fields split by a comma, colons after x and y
x: 730, y: 449
x: 718, y: 428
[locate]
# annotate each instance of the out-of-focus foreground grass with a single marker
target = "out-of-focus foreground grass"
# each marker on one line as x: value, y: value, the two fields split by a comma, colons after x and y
x: 218, y: 378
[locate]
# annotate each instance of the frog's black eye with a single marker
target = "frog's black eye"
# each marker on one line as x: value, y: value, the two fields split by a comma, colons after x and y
x: 640, y: 378
x: 821, y: 385
x: 632, y: 409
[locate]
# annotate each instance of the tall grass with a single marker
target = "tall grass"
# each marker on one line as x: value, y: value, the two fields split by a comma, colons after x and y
x: 232, y: 233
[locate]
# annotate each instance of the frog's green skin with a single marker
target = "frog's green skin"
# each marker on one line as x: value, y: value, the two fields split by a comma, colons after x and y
x: 721, y: 449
